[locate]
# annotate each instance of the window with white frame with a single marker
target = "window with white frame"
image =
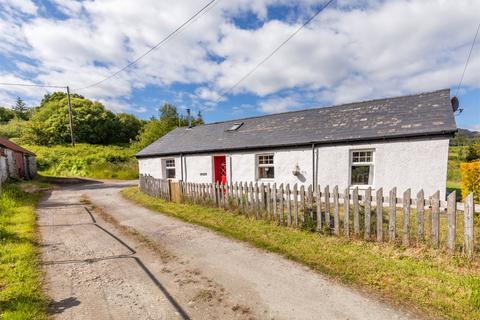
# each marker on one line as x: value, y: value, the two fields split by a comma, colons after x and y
x: 169, y: 169
x: 265, y: 166
x: 361, y: 172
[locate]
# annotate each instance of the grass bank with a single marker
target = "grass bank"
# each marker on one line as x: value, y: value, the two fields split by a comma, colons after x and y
x: 85, y: 160
x: 21, y: 294
x: 423, y: 279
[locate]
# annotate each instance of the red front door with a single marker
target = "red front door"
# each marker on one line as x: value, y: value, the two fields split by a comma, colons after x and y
x: 220, y: 169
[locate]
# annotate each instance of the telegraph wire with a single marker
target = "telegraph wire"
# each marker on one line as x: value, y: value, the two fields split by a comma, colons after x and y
x: 31, y: 85
x: 283, y: 43
x: 468, y: 59
x: 170, y: 35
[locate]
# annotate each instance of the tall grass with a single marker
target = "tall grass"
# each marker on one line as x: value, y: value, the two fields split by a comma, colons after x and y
x: 21, y: 295
x: 85, y: 160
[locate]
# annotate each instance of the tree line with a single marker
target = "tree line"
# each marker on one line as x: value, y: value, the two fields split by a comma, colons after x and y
x: 48, y: 123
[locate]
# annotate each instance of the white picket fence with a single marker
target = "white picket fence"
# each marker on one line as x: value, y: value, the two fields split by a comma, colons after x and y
x: 410, y: 221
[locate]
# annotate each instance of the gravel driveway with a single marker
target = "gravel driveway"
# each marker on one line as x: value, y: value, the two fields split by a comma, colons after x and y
x: 107, y: 258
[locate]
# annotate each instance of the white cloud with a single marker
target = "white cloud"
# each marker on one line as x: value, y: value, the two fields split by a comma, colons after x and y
x: 358, y: 49
x: 207, y: 94
x: 278, y: 104
x: 24, y: 6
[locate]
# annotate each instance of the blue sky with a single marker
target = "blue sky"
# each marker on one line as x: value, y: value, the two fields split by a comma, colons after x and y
x: 355, y: 50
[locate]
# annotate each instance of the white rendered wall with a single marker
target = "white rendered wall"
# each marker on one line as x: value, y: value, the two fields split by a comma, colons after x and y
x: 284, y: 163
x: 415, y: 164
x: 198, y: 168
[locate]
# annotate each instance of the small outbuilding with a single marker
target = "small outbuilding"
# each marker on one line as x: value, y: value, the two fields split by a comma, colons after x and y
x: 16, y: 162
x: 393, y: 142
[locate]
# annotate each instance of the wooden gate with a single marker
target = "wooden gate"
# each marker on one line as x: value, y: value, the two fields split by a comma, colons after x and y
x: 175, y: 192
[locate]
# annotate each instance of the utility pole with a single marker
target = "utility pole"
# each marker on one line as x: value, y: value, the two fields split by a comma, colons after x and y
x: 70, y: 117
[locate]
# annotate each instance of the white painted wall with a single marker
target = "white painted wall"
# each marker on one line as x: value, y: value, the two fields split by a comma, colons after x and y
x: 415, y: 164
x: 284, y: 163
x: 151, y: 166
x: 198, y: 168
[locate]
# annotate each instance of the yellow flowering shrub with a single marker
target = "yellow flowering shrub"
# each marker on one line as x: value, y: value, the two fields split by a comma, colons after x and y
x: 471, y: 179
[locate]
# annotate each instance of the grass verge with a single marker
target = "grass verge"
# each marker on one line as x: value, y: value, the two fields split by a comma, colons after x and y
x: 21, y: 295
x: 420, y: 278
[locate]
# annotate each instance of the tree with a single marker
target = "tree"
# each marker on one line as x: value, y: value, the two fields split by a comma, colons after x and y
x: 169, y: 120
x: 129, y: 127
x: 473, y: 153
x: 169, y: 115
x: 93, y: 123
x: 21, y: 110
x: 6, y: 114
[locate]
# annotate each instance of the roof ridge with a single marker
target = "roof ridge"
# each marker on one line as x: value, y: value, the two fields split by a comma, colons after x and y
x: 327, y: 107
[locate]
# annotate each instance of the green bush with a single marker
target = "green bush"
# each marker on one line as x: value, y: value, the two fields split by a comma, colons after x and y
x: 84, y: 160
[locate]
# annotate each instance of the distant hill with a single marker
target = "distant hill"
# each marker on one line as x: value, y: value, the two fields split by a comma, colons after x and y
x: 465, y: 137
x: 469, y: 133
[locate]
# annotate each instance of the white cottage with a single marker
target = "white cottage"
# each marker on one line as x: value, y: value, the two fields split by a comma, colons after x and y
x: 395, y: 142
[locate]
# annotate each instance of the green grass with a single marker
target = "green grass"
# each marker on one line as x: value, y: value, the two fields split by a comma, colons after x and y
x: 456, y: 155
x: 84, y: 160
x: 21, y: 294
x: 419, y: 278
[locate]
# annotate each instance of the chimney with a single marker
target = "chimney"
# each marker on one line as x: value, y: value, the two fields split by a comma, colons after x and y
x: 189, y: 118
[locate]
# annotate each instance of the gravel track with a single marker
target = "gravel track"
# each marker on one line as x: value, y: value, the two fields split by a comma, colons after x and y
x: 118, y: 260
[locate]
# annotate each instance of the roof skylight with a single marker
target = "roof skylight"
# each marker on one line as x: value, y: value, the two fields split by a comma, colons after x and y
x: 235, y: 126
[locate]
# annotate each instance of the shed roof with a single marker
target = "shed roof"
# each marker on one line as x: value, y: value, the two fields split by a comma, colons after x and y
x: 12, y: 146
x: 421, y: 114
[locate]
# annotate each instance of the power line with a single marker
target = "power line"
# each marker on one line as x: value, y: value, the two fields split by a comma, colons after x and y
x: 468, y: 59
x: 31, y: 85
x: 49, y: 86
x: 258, y: 65
x: 170, y: 35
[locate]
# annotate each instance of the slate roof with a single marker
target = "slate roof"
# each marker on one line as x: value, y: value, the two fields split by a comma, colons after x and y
x: 421, y: 114
x: 12, y: 146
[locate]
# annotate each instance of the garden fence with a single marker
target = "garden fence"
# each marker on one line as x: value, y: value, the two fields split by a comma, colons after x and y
x: 411, y: 220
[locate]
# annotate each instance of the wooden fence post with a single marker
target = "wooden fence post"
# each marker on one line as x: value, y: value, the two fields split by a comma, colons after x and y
x: 257, y: 204
x: 289, y: 204
x: 435, y: 232
x: 379, y: 198
x: 392, y: 217
x: 310, y: 202
x: 251, y: 208
x: 274, y: 193
x: 262, y: 200
x: 368, y: 213
x: 327, y: 207
x: 451, y: 221
x: 302, y: 203
x: 336, y: 213
x: 319, y: 208
x: 420, y: 216
x: 346, y: 212
x: 468, y: 226
x: 406, y: 217
x: 241, y: 197
x: 282, y: 204
x: 269, y: 202
x: 356, y: 212
x: 295, y: 204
